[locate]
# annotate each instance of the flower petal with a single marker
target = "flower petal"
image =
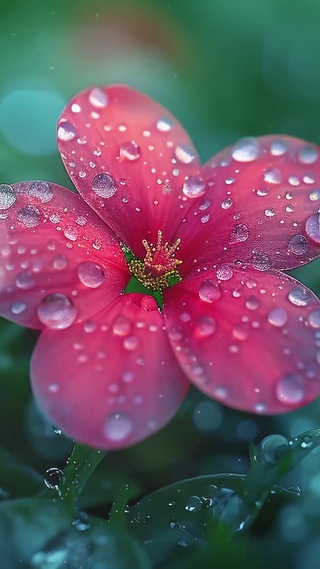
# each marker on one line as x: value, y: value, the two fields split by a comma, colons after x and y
x: 252, y: 341
x: 113, y: 380
x: 59, y: 263
x: 129, y: 158
x: 261, y: 205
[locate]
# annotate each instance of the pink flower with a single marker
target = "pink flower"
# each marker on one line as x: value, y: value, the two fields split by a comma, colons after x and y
x: 110, y: 367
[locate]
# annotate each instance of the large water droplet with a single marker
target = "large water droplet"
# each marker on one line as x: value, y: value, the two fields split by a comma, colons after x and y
x: 66, y: 131
x: 53, y: 478
x: 308, y: 154
x: 313, y: 227
x: 279, y: 147
x: 98, y: 98
x: 41, y: 191
x: 261, y: 261
x: 130, y: 151
x: 60, y: 262
x: 252, y: 303
x: 164, y: 124
x: 71, y: 232
x: 90, y: 274
x: 18, y: 307
x: 117, y: 427
x: 56, y: 311
x: 299, y: 296
x: 314, y: 319
x: 272, y: 176
x: 184, y: 153
x: 241, y: 332
x: 7, y: 196
x: 277, y: 316
x: 273, y: 448
x: 209, y: 291
x: 29, y: 216
x: 290, y: 389
x: 205, y: 327
x: 240, y: 233
x: 298, y: 245
x: 246, y: 150
x: 225, y: 272
x: 25, y: 280
x: 194, y: 187
x: 104, y: 185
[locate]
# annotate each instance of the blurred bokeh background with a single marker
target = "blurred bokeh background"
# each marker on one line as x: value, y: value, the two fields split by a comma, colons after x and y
x: 226, y: 69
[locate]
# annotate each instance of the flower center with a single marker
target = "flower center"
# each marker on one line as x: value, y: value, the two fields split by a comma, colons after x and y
x: 158, y: 269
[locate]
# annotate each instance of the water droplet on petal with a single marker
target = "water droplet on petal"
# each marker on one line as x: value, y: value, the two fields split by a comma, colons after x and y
x: 307, y: 154
x: 240, y: 233
x: 130, y: 151
x: 269, y: 212
x: 98, y: 98
x: 184, y: 153
x: 121, y: 326
x: 131, y: 343
x: 252, y: 303
x: 246, y: 150
x: 41, y: 191
x: 209, y: 291
x: 241, y: 332
x: 7, y: 196
x: 175, y: 334
x: 71, y: 232
x: 314, y: 196
x: 164, y: 124
x: 273, y: 176
x: 25, y: 280
x: 290, y: 389
x: 90, y: 274
x: 277, y: 316
x: 117, y: 427
x: 314, y: 319
x: 313, y: 227
x: 56, y: 311
x: 104, y: 185
x: 225, y: 272
x: 279, y: 147
x: 60, y: 262
x: 193, y: 504
x: 205, y: 327
x: 299, y: 296
x: 29, y: 216
x: 194, y: 187
x: 261, y: 261
x: 298, y: 245
x: 18, y: 307
x: 66, y: 131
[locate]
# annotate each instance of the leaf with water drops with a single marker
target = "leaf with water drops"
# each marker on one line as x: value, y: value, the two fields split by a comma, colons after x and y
x: 262, y: 200
x: 130, y: 160
x: 247, y: 338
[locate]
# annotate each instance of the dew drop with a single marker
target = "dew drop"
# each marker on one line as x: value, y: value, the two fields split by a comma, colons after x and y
x: 314, y: 319
x: 277, y: 317
x: 205, y: 327
x: 71, y: 232
x: 307, y: 155
x: 209, y: 292
x: 314, y: 196
x: 239, y: 234
x: 104, y: 185
x: 121, y: 326
x: 25, y: 280
x: 18, y: 307
x: 279, y: 147
x: 164, y: 124
x: 290, y: 389
x: 313, y: 227
x: 66, y: 131
x: 261, y: 261
x: 130, y: 151
x: 53, y: 478
x: 246, y: 150
x: 298, y: 245
x: 7, y: 196
x: 90, y: 274
x: 60, y: 262
x: 299, y: 296
x: 184, y: 153
x: 56, y: 311
x: 194, y: 187
x: 241, y: 332
x: 131, y: 343
x: 225, y: 272
x: 41, y: 191
x: 29, y: 216
x: 252, y: 303
x: 175, y: 334
x: 269, y: 212
x: 117, y: 427
x: 98, y: 98
x: 272, y: 176
x: 262, y: 192
x: 225, y: 204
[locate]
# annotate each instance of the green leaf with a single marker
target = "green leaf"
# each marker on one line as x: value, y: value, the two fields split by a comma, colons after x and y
x: 18, y: 480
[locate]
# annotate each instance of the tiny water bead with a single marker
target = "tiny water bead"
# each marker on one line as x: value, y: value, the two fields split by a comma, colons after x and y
x: 7, y: 196
x: 104, y: 185
x: 56, y: 311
